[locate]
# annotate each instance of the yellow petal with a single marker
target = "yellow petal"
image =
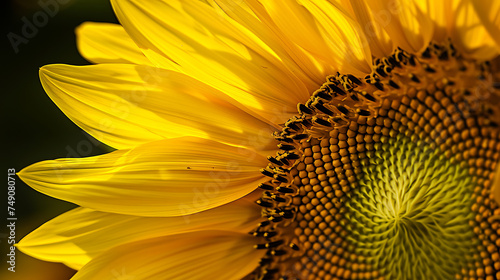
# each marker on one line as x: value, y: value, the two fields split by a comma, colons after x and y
x: 108, y: 43
x: 309, y: 70
x: 379, y: 41
x: 214, y: 50
x: 469, y: 34
x: 198, y: 255
x: 127, y: 105
x: 439, y: 13
x: 333, y: 39
x: 488, y: 12
x: 171, y: 177
x: 343, y: 36
x: 295, y: 22
x: 407, y: 22
x: 79, y: 235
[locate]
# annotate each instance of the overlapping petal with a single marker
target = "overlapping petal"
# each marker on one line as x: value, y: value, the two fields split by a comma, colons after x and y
x: 214, y: 50
x: 406, y: 22
x: 317, y: 32
x: 377, y: 38
x: 344, y: 37
x: 469, y: 34
x: 171, y: 177
x: 440, y: 13
x: 488, y: 12
x: 77, y: 236
x: 108, y: 43
x: 310, y: 70
x: 128, y: 105
x: 197, y: 255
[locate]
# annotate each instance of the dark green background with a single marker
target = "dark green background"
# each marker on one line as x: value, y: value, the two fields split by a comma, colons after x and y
x: 33, y: 128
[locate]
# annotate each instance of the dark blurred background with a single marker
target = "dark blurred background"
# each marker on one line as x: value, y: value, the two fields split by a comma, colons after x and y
x: 34, y: 129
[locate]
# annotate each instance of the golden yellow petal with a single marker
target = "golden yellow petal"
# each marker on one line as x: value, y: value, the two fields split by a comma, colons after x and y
x: 439, y: 13
x: 294, y: 22
x: 309, y: 70
x: 343, y: 35
x: 198, y: 255
x: 81, y: 234
x: 469, y: 34
x: 127, y: 105
x: 313, y: 31
x: 407, y: 22
x: 379, y: 41
x: 171, y: 177
x: 488, y: 12
x: 108, y: 43
x: 216, y: 51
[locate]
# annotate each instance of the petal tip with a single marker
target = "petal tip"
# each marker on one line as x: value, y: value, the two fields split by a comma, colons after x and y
x: 23, y: 173
x: 45, y: 72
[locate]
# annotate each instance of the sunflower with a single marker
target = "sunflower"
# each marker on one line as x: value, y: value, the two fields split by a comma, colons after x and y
x: 292, y: 139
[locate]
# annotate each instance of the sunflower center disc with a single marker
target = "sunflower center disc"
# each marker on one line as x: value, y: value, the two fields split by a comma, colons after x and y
x: 388, y: 177
x: 412, y: 205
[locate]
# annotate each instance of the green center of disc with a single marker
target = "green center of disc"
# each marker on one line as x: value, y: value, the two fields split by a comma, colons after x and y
x: 410, y: 215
